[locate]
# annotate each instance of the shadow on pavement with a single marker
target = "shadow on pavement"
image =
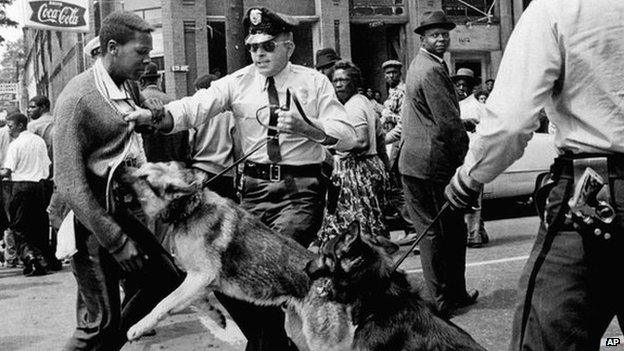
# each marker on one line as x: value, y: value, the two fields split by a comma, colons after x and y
x: 22, y: 286
x: 18, y: 342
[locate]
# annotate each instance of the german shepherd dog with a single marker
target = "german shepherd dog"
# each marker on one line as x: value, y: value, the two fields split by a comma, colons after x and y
x: 387, y: 312
x: 224, y: 248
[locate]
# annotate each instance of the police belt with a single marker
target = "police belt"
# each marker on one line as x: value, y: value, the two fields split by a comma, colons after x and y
x: 564, y: 165
x: 276, y: 172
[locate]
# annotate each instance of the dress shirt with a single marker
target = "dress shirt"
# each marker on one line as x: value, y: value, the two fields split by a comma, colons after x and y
x: 361, y: 111
x: 471, y: 109
x: 565, y: 56
x: 244, y: 93
x: 5, y: 139
x: 213, y: 144
x: 27, y: 158
x: 122, y: 101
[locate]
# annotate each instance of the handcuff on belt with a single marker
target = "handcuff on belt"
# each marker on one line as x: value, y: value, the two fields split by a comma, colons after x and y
x: 590, y: 206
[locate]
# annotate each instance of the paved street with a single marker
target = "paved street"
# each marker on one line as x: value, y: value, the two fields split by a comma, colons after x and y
x: 37, y: 313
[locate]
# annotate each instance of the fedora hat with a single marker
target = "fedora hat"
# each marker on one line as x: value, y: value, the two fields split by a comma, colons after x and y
x: 465, y: 73
x: 151, y: 71
x: 391, y: 63
x: 326, y: 57
x: 434, y: 19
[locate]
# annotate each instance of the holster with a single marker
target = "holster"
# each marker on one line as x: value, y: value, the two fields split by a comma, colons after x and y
x: 590, y: 208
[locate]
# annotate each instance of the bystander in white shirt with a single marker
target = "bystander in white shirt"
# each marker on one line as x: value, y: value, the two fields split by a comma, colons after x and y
x: 27, y: 158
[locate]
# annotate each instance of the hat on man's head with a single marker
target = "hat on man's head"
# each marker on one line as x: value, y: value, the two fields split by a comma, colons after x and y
x: 465, y: 73
x: 263, y: 24
x: 391, y: 63
x: 434, y: 19
x: 151, y: 71
x: 92, y: 48
x: 326, y: 57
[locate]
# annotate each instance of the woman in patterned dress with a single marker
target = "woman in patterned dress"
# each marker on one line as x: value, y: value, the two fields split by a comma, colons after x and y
x: 359, y: 175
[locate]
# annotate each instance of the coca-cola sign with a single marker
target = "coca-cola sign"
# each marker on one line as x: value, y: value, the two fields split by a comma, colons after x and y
x: 69, y: 15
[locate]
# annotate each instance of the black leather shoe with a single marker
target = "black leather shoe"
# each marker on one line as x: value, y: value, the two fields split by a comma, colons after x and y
x: 469, y: 299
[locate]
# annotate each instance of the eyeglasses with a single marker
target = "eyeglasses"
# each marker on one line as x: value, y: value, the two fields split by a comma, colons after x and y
x: 268, y: 46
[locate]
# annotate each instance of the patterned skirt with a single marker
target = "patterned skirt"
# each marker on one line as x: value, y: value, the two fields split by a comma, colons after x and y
x: 361, y: 183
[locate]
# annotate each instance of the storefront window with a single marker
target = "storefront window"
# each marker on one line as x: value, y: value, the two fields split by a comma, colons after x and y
x: 471, y: 9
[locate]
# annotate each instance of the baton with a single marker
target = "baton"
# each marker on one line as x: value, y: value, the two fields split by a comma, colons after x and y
x: 422, y: 235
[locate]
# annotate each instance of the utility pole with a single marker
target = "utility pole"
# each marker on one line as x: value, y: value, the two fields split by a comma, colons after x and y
x: 235, y: 35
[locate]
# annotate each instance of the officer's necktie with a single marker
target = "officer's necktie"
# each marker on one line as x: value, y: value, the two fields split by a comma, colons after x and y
x: 273, y: 149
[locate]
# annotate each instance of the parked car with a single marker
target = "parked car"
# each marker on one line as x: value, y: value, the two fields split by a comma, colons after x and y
x: 519, y: 179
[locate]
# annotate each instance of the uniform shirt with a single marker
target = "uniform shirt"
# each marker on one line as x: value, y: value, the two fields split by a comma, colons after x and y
x: 122, y: 101
x: 245, y: 91
x: 213, y: 144
x: 565, y: 55
x: 360, y: 109
x: 27, y: 158
x: 43, y: 127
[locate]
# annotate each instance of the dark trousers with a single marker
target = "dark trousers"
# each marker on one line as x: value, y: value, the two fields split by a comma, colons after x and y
x: 29, y: 220
x: 102, y: 318
x: 293, y: 207
x: 567, y: 294
x: 443, y: 249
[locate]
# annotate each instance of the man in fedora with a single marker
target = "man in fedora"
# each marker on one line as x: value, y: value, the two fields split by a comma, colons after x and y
x: 464, y: 81
x: 161, y: 147
x: 434, y: 142
x: 325, y: 60
x: 282, y: 183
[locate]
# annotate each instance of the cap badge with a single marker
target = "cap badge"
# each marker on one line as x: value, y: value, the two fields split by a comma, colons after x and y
x: 255, y: 17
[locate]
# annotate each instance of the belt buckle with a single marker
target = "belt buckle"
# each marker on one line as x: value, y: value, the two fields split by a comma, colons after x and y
x: 275, y: 173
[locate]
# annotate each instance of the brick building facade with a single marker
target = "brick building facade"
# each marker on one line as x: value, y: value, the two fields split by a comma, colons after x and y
x: 190, y: 40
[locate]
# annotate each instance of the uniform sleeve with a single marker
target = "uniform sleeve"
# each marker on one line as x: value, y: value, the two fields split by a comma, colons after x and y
x: 71, y: 143
x: 193, y: 111
x: 527, y: 74
x: 334, y: 118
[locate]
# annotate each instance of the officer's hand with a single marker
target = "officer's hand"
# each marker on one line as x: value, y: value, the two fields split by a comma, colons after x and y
x: 290, y: 122
x: 459, y: 194
x: 153, y: 104
x: 139, y: 117
x: 129, y: 257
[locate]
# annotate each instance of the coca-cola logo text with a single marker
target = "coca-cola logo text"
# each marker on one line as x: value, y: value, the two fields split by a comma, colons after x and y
x: 58, y: 13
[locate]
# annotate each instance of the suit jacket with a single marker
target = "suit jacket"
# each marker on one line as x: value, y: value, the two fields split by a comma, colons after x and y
x: 434, y: 140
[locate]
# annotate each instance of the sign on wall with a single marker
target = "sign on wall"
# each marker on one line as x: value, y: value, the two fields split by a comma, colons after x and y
x: 67, y: 15
x: 8, y: 95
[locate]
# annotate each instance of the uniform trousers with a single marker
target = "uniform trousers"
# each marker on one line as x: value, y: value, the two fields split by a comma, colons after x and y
x: 567, y: 292
x: 292, y: 207
x: 443, y: 249
x: 102, y: 317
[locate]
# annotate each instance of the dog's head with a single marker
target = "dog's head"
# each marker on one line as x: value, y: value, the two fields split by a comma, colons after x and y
x: 165, y: 190
x: 355, y: 263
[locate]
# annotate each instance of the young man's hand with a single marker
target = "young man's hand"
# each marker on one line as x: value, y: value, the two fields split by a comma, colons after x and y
x: 129, y: 257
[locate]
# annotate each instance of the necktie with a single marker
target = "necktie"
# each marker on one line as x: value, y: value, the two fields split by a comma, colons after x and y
x: 273, y: 149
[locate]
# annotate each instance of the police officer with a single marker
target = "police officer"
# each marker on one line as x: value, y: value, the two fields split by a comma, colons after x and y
x: 281, y: 181
x: 564, y: 56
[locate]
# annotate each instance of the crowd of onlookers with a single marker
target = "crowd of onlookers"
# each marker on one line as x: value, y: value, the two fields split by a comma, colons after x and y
x: 366, y: 180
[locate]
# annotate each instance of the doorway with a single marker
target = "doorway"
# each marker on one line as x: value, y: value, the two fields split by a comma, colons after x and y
x: 371, y: 45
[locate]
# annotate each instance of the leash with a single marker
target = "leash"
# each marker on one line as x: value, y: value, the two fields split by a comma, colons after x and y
x: 422, y: 235
x: 236, y: 163
x: 286, y: 107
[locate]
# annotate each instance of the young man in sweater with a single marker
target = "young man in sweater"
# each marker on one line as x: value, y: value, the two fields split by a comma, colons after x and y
x: 91, y: 139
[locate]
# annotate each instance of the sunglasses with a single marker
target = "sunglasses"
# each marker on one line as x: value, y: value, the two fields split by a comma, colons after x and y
x: 268, y: 46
